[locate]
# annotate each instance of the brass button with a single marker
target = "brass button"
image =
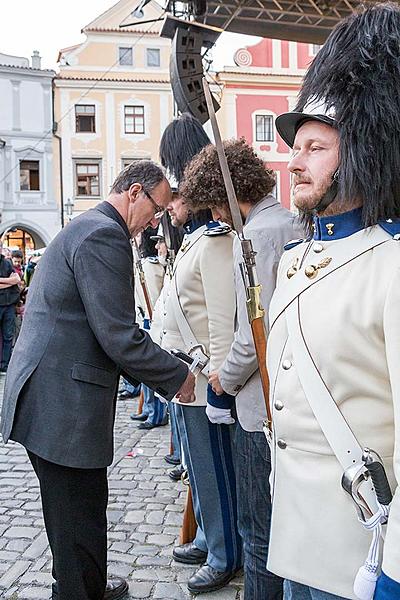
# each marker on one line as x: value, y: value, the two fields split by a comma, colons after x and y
x: 317, y: 247
x: 278, y: 405
x: 286, y: 364
x: 282, y: 444
x: 311, y: 271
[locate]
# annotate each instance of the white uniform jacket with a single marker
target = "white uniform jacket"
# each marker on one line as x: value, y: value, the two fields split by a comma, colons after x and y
x: 269, y: 226
x: 203, y: 276
x: 350, y: 318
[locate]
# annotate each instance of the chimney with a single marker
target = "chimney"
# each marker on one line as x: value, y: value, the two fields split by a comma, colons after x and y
x: 36, y: 60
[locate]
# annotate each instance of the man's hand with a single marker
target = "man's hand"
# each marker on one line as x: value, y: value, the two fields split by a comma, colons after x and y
x: 213, y: 380
x: 219, y: 416
x: 185, y: 394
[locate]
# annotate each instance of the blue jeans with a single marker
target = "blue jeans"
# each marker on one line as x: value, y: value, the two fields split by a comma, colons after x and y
x: 253, y: 464
x: 298, y: 591
x: 128, y: 387
x: 7, y: 321
x: 153, y: 408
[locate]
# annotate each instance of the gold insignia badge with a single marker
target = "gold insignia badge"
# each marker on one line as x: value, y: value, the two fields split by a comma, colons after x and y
x: 329, y: 227
x: 311, y: 271
x: 293, y: 269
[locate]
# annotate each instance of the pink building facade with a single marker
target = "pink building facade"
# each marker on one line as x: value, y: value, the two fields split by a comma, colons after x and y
x: 264, y: 84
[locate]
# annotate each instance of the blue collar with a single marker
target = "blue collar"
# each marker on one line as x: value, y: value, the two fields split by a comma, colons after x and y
x: 338, y: 226
x: 194, y: 224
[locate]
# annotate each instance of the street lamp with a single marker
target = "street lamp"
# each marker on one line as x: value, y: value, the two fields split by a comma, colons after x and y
x: 69, y: 205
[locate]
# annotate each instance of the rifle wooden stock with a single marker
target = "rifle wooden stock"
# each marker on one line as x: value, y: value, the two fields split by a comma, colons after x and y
x: 189, y: 525
x: 146, y: 294
x: 260, y: 343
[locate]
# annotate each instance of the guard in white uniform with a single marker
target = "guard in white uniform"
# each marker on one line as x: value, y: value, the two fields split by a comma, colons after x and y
x: 334, y: 342
x: 199, y: 319
x: 269, y: 226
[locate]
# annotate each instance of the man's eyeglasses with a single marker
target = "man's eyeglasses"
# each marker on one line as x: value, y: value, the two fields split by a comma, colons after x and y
x: 158, y: 210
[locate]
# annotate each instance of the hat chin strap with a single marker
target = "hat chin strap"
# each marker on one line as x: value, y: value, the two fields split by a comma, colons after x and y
x: 328, y: 197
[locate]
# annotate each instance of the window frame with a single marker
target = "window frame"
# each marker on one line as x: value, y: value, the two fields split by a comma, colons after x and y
x: 87, y: 162
x: 85, y: 114
x: 158, y: 50
x: 125, y: 64
x: 134, y: 117
x: 271, y: 128
x: 29, y: 160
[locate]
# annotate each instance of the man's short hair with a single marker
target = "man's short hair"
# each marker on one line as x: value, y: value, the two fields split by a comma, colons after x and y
x: 145, y: 172
x: 203, y: 185
x: 17, y: 254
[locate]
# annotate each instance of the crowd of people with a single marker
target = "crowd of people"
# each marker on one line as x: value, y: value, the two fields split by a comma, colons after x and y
x: 301, y: 491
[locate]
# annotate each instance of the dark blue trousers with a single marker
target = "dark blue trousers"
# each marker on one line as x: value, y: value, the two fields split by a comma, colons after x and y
x: 209, y: 458
x: 7, y: 323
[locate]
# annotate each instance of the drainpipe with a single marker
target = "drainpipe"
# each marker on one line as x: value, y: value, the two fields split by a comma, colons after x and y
x: 55, y: 125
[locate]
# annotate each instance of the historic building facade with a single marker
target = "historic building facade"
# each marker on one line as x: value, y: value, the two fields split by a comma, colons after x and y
x: 29, y: 215
x: 264, y: 84
x: 112, y: 101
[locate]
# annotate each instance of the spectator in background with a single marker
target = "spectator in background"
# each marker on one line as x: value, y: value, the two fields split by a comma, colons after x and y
x: 9, y: 296
x: 30, y: 269
x: 17, y: 259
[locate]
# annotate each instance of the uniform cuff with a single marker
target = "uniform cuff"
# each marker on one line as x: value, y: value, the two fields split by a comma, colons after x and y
x: 223, y: 401
x: 387, y: 588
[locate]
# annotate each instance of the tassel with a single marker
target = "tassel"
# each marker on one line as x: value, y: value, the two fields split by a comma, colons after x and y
x: 364, y: 584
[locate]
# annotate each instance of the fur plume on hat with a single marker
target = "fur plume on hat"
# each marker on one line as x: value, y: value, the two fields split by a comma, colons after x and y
x: 357, y: 72
x: 181, y: 141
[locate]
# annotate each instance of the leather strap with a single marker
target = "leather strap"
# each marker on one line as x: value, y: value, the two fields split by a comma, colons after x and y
x: 334, y: 426
x: 185, y: 330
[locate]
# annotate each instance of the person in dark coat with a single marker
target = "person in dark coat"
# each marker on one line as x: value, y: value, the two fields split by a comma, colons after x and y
x: 79, y: 333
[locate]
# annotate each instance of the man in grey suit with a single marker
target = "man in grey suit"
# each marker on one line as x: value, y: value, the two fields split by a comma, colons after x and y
x: 269, y: 226
x: 79, y: 333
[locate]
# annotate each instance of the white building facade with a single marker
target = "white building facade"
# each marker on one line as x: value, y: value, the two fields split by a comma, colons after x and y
x: 29, y: 213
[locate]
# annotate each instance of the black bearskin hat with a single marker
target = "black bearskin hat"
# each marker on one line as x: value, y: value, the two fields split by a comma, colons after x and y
x: 181, y: 141
x: 356, y: 76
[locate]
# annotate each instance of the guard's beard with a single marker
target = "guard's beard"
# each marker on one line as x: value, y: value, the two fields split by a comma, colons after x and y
x: 307, y: 215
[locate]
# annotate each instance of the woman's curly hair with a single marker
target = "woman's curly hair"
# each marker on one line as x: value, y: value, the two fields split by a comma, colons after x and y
x: 202, y: 185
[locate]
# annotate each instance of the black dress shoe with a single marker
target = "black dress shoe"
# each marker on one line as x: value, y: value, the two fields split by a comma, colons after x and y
x: 207, y: 579
x: 148, y: 425
x: 176, y: 474
x: 171, y: 460
x: 189, y: 554
x: 116, y: 589
x: 138, y: 417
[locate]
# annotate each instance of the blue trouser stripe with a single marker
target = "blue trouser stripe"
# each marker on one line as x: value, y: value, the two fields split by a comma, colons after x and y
x: 223, y: 472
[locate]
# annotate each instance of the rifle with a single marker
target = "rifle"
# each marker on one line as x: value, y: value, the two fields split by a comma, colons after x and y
x: 146, y: 295
x: 255, y: 311
x: 189, y: 524
x: 142, y: 278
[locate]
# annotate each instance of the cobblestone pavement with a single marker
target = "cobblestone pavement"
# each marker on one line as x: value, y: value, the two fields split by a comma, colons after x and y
x: 144, y: 515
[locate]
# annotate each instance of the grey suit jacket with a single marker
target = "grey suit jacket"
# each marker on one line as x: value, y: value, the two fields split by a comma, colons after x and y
x: 270, y: 227
x: 78, y: 333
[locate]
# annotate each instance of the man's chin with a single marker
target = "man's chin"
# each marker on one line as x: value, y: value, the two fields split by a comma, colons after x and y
x: 305, y: 205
